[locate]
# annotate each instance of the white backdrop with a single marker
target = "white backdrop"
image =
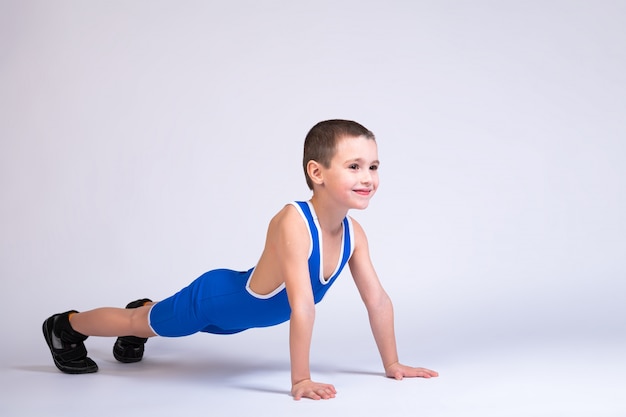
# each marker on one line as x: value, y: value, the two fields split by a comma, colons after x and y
x: 145, y: 142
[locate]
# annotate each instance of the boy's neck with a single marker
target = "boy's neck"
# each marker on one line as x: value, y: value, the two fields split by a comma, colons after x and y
x: 329, y: 217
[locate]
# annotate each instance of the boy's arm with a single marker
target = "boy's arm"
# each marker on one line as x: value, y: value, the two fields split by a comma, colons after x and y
x: 379, y: 309
x: 292, y: 241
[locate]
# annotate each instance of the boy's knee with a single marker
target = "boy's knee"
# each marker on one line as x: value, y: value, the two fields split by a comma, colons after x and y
x: 139, y: 321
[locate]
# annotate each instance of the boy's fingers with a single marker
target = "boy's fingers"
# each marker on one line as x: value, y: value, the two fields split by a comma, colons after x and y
x: 429, y: 372
x: 407, y: 371
x: 315, y: 392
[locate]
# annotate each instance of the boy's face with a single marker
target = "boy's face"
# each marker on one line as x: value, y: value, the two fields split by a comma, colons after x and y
x: 352, y: 177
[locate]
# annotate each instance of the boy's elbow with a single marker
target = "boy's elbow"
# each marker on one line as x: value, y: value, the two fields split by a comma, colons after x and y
x: 303, y: 312
x: 379, y: 302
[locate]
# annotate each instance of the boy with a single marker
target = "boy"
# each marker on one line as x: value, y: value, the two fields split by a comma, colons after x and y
x: 307, y: 246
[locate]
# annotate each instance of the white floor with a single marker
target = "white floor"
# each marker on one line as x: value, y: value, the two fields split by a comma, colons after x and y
x: 215, y: 375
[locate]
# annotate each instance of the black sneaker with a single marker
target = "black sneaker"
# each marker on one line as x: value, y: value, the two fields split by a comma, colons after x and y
x: 129, y: 349
x: 66, y: 345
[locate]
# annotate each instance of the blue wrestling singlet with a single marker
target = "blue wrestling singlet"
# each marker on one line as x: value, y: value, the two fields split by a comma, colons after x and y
x: 221, y: 301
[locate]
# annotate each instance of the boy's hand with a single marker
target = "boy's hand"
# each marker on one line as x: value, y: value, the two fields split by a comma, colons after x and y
x: 312, y: 390
x: 399, y: 371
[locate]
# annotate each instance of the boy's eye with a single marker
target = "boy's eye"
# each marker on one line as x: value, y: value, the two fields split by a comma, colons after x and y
x: 353, y: 166
x: 374, y: 167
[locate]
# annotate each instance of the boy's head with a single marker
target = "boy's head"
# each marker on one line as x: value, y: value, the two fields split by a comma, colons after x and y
x: 321, y: 141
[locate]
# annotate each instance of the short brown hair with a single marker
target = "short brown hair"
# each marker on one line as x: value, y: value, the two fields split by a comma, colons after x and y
x: 321, y: 141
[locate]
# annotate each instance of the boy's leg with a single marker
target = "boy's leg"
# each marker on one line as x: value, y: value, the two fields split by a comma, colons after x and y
x: 112, y: 321
x: 66, y: 332
x: 129, y: 349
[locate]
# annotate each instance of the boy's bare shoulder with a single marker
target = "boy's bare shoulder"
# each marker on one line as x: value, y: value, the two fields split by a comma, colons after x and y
x: 286, y: 215
x: 358, y: 230
x: 287, y: 223
x: 360, y: 238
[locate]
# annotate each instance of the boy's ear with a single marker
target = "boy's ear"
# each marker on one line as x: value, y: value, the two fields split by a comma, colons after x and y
x: 314, y: 169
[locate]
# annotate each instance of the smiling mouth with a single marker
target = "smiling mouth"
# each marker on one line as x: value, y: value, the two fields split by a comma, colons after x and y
x: 363, y: 192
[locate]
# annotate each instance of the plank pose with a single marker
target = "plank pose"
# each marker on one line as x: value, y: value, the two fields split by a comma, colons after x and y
x: 308, y: 244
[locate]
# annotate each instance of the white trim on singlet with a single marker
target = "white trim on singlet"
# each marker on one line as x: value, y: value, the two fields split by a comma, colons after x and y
x: 323, y: 280
x: 351, y: 227
x: 282, y: 286
x: 150, y: 319
x: 306, y: 222
x: 262, y: 296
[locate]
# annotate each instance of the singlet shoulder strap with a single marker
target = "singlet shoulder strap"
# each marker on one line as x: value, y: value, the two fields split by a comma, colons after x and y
x: 348, y: 240
x: 307, y: 212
